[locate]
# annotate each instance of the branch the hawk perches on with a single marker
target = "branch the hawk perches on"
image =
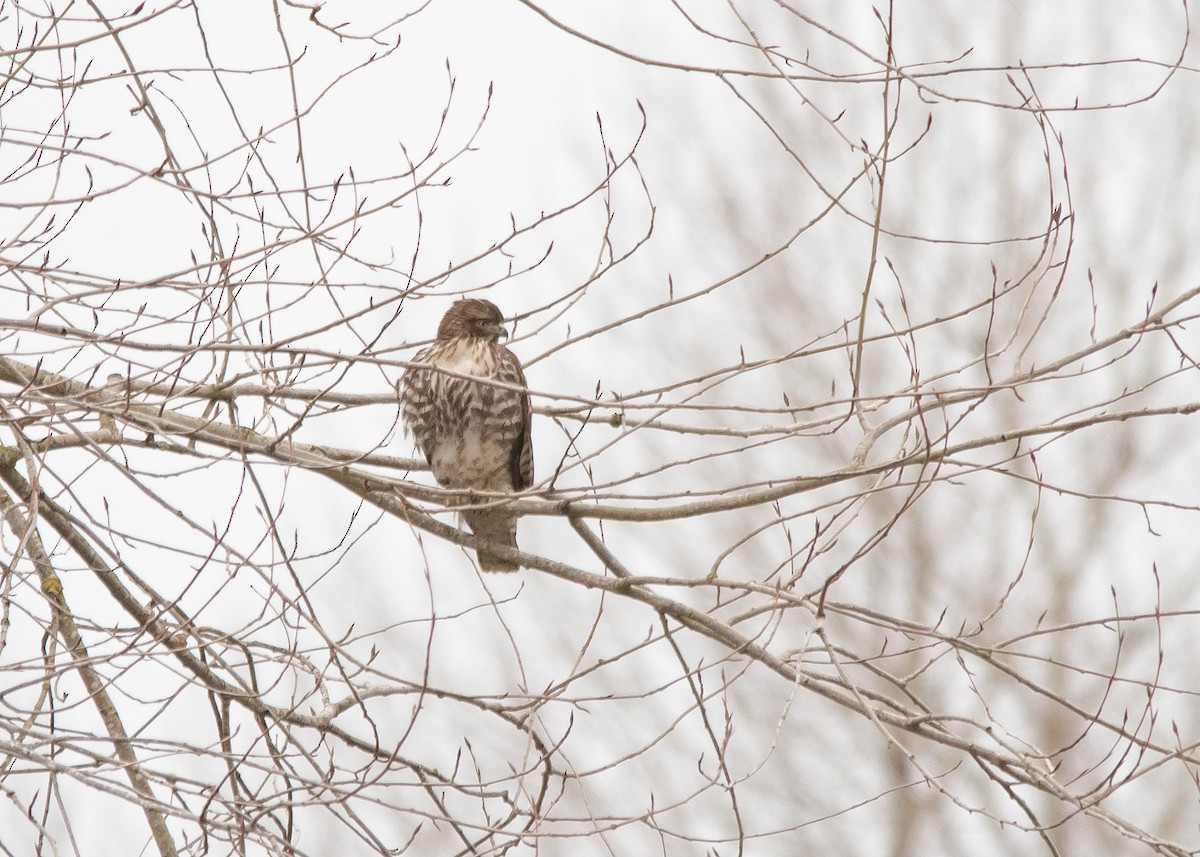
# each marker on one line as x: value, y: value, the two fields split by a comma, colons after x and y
x: 475, y: 434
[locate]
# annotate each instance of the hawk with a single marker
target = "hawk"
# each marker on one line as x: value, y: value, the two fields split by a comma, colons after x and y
x: 468, y: 411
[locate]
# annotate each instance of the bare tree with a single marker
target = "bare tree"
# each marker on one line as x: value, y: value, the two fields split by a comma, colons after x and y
x: 864, y: 502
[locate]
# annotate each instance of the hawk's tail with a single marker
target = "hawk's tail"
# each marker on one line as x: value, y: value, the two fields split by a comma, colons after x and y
x: 495, y: 526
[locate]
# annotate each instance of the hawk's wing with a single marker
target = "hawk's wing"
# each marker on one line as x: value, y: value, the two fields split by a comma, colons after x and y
x: 417, y: 403
x: 508, y: 370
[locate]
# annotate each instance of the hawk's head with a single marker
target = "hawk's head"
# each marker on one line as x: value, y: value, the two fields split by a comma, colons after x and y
x: 473, y: 318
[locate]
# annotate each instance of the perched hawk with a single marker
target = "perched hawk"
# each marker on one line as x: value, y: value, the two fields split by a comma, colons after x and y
x: 474, y: 434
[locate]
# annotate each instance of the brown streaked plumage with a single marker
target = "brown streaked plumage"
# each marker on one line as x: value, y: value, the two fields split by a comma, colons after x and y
x: 475, y: 434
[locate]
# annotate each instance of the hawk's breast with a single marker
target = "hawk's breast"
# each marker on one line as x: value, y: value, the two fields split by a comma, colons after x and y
x: 471, y: 438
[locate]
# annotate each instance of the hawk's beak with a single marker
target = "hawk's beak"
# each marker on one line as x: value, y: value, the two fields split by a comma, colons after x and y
x: 502, y: 332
